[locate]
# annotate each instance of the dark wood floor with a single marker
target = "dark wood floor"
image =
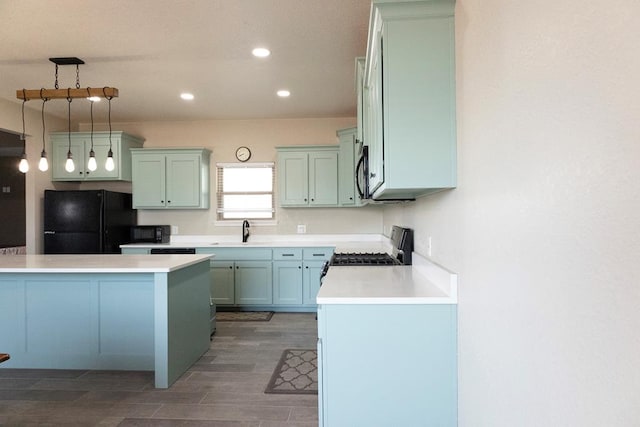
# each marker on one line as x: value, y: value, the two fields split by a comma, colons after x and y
x: 224, y: 388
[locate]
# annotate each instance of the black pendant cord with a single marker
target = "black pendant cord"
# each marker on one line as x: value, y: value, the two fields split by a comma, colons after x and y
x: 24, y: 101
x: 69, y: 99
x: 109, y: 98
x: 91, y: 153
x: 44, y: 100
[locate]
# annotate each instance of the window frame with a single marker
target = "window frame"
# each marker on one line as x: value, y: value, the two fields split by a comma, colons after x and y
x: 219, y: 220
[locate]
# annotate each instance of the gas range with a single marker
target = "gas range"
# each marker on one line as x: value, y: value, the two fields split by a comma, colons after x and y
x: 402, y: 246
x: 355, y: 258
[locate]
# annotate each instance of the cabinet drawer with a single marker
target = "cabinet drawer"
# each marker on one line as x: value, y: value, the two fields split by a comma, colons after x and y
x: 287, y: 254
x: 317, y: 253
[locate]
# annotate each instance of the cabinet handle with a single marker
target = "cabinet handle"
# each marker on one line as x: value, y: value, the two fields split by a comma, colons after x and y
x: 237, y: 267
x: 87, y: 173
x: 306, y: 266
x: 350, y: 198
x: 299, y: 266
x: 168, y: 201
x: 161, y: 201
x: 231, y: 267
x: 287, y: 254
x: 305, y: 200
x: 372, y: 175
x: 313, y: 200
x: 318, y: 254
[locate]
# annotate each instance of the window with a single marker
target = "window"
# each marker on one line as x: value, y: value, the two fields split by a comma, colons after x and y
x: 245, y: 191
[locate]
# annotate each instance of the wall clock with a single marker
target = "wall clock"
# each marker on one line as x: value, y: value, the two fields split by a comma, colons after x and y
x: 243, y: 154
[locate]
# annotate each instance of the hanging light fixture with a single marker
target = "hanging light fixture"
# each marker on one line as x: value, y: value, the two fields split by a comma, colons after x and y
x: 68, y: 94
x: 109, y: 164
x: 69, y: 166
x: 43, y: 165
x: 23, y: 166
x: 92, y: 165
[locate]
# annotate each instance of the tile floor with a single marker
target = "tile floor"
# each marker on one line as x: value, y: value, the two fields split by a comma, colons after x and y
x: 223, y: 389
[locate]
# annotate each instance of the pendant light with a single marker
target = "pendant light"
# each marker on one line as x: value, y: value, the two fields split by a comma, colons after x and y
x: 109, y: 164
x: 69, y: 166
x: 68, y: 94
x: 43, y: 165
x: 23, y: 166
x: 92, y: 165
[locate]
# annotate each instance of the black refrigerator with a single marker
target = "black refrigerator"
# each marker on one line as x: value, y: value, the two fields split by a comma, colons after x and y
x: 87, y: 221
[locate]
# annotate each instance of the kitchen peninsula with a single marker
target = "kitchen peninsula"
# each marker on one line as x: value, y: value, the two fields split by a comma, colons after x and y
x: 120, y: 312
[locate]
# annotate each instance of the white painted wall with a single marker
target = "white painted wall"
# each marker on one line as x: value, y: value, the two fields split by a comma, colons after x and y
x: 544, y: 228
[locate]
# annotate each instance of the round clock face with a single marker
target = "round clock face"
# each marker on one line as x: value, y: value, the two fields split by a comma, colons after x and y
x: 243, y: 154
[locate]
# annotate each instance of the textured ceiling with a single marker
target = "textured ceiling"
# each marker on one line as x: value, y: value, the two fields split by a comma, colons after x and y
x: 152, y: 50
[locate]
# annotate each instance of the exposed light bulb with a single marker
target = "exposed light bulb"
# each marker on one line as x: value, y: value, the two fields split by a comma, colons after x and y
x: 187, y: 96
x: 283, y: 93
x: 69, y: 166
x: 261, y: 52
x: 109, y: 164
x: 43, y: 164
x: 24, y: 164
x: 92, y: 165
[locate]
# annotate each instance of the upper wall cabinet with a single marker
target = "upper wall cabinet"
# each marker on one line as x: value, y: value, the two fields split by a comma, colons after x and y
x: 170, y: 178
x: 80, y: 147
x: 408, y: 95
x: 347, y: 167
x: 308, y: 176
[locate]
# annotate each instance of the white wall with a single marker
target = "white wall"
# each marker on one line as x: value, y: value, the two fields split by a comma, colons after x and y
x: 222, y: 137
x: 544, y: 228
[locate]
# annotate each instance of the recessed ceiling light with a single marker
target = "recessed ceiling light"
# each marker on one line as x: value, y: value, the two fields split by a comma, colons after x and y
x: 283, y: 93
x: 261, y: 52
x: 186, y: 96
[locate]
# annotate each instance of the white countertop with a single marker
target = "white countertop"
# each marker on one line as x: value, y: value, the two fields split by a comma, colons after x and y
x: 342, y: 242
x: 110, y: 263
x: 422, y: 283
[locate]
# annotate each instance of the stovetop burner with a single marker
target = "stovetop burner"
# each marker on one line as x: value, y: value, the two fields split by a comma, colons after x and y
x: 354, y: 258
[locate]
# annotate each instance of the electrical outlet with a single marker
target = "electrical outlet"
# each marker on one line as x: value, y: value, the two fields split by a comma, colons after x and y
x: 429, y: 246
x: 302, y: 229
x: 174, y: 229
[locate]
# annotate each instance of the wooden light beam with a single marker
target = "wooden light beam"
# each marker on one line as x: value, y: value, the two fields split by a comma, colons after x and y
x: 73, y: 93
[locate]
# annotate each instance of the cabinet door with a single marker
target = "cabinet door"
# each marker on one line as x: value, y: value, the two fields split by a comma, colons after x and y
x: 311, y: 281
x: 222, y: 282
x: 346, y: 167
x: 183, y: 180
x: 60, y: 148
x: 293, y: 181
x: 287, y: 282
x: 253, y: 281
x: 323, y: 178
x: 148, y: 180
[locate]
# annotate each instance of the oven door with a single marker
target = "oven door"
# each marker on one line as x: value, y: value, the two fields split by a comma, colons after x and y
x: 362, y: 174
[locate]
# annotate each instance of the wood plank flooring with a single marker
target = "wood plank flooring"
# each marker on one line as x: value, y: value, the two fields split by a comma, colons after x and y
x: 223, y: 389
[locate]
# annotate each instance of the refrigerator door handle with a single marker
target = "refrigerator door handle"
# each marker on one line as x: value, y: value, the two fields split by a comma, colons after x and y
x: 49, y: 232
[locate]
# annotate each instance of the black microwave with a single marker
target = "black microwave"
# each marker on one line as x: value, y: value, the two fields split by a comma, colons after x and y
x: 150, y: 233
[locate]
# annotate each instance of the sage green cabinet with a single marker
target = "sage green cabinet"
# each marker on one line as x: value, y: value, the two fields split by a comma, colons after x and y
x: 287, y: 276
x: 409, y: 98
x: 121, y: 144
x: 223, y: 282
x: 170, y: 178
x: 308, y: 176
x: 347, y: 167
x: 296, y: 281
x: 240, y: 276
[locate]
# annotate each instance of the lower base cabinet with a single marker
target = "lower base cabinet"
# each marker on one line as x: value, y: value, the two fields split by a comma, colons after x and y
x: 277, y: 278
x: 253, y: 285
x: 385, y: 365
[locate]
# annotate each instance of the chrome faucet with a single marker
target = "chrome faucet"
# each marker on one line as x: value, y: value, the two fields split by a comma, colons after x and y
x: 245, y: 231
